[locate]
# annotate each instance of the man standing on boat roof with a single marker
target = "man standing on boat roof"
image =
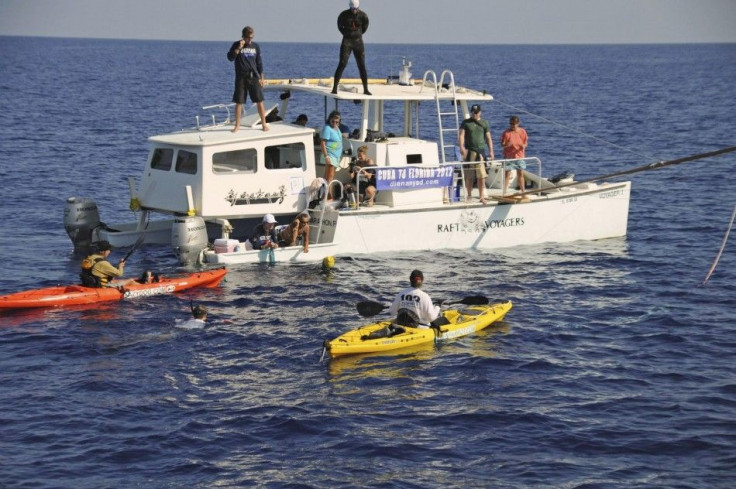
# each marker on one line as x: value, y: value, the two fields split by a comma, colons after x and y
x: 352, y: 24
x: 473, y: 136
x: 248, y: 75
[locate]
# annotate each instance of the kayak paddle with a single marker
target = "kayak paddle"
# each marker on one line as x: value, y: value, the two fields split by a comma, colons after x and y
x: 135, y: 246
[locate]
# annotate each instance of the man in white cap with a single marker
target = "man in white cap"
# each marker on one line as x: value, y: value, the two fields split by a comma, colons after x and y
x: 352, y: 24
x: 264, y: 234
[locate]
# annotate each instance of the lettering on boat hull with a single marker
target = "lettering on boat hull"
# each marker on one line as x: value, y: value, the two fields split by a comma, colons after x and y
x: 471, y: 222
x: 260, y: 197
x: 164, y: 289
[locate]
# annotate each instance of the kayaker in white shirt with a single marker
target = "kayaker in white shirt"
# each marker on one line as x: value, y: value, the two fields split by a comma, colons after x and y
x: 416, y: 300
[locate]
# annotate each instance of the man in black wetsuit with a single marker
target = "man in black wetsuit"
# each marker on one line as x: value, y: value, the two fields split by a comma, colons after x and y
x: 352, y: 23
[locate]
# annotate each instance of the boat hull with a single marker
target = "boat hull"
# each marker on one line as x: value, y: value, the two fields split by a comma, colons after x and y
x: 72, y: 295
x: 462, y: 322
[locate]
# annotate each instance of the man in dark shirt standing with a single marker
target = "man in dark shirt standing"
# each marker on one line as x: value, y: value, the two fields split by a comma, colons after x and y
x: 352, y: 23
x: 248, y: 75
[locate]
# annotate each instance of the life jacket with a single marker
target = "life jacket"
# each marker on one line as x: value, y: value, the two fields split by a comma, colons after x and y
x: 88, y: 279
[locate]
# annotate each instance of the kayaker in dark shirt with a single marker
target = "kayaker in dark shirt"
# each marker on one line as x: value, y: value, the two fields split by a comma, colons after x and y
x: 264, y: 234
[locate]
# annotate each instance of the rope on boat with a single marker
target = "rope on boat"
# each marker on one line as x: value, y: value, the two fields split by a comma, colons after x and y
x: 650, y: 166
x: 573, y: 129
x: 723, y: 245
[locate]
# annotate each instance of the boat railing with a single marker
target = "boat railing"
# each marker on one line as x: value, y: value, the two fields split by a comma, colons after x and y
x: 458, y: 183
x: 213, y: 116
x: 531, y: 161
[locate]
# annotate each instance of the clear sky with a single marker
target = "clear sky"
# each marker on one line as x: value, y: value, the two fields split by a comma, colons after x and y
x: 392, y: 21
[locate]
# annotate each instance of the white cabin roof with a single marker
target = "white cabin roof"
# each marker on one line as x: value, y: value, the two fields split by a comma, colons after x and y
x: 221, y: 134
x: 381, y: 89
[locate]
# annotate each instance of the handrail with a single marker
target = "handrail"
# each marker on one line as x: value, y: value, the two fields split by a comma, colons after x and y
x: 212, y: 115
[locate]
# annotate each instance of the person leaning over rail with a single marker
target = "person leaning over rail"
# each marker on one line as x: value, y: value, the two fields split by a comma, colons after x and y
x: 248, y: 75
x: 473, y: 136
x: 299, y: 227
x: 514, y: 141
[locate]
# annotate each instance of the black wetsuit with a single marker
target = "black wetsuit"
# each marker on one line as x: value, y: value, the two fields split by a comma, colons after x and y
x: 352, y: 25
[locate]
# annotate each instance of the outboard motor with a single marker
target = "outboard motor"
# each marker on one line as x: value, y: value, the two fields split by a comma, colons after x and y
x: 189, y: 238
x: 81, y: 218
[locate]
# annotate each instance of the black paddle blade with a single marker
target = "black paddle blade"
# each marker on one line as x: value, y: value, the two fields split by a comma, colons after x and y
x: 474, y: 300
x: 369, y: 308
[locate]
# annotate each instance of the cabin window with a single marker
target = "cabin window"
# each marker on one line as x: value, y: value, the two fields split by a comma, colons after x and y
x: 242, y: 160
x: 162, y: 158
x: 283, y: 156
x: 186, y: 162
x: 414, y: 159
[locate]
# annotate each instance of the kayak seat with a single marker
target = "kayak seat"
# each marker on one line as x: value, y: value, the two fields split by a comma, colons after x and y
x: 387, y: 332
x: 407, y: 317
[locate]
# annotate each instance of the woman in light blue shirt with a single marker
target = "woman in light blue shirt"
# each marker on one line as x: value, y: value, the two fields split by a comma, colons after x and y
x: 331, y: 142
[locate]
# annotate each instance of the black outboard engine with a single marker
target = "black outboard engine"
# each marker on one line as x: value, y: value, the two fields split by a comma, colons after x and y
x: 189, y: 239
x: 81, y: 218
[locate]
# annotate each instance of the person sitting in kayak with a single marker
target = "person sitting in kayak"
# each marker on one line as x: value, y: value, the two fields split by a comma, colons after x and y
x: 415, y: 303
x: 413, y: 308
x: 264, y: 234
x: 299, y: 227
x: 103, y: 271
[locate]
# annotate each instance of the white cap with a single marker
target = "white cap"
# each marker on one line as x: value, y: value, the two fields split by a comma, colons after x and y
x: 269, y: 218
x: 354, y: 3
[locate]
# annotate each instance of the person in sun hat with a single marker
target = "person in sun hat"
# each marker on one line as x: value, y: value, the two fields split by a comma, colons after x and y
x: 264, y: 234
x: 416, y: 301
x: 473, y: 136
x: 352, y: 24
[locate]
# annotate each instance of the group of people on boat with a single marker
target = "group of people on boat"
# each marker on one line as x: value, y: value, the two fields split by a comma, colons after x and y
x: 267, y: 235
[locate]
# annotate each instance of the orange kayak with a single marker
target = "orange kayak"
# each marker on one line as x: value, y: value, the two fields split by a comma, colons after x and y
x: 72, y: 295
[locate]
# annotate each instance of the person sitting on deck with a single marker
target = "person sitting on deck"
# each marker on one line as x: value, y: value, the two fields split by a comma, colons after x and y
x: 413, y: 308
x: 264, y: 234
x: 366, y: 177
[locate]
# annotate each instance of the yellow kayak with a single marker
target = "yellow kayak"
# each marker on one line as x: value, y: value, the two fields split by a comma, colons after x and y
x: 461, y: 322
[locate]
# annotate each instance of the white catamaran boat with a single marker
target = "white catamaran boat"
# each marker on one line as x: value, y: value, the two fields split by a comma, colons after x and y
x: 204, y: 189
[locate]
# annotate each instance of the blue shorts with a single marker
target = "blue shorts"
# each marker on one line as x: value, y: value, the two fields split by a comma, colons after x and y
x: 516, y: 165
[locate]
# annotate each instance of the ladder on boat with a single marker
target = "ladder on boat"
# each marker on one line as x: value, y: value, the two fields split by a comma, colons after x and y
x: 454, y: 123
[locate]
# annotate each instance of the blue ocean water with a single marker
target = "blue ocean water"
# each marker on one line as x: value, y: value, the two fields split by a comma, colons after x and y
x: 614, y: 369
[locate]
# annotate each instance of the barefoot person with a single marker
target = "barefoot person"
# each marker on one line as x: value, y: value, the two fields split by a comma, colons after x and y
x: 248, y: 75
